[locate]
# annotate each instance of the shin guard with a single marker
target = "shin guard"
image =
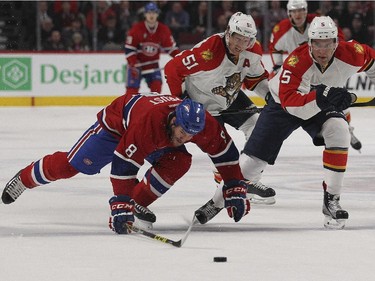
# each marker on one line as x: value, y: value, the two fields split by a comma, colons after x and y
x: 50, y: 168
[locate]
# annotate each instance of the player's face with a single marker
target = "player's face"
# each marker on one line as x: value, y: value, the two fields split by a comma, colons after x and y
x: 151, y: 17
x: 322, y: 50
x: 238, y: 43
x: 298, y: 17
x: 178, y: 135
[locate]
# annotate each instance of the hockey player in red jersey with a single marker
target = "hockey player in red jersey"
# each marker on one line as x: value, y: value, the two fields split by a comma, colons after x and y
x: 291, y: 33
x: 307, y: 92
x: 213, y: 71
x: 132, y: 129
x: 144, y: 42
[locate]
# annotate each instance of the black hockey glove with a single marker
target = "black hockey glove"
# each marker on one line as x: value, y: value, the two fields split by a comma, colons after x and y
x: 122, y: 207
x: 235, y: 201
x: 333, y: 97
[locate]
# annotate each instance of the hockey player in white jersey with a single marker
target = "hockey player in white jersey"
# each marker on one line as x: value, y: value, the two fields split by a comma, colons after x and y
x: 307, y: 92
x: 291, y: 33
x: 213, y: 72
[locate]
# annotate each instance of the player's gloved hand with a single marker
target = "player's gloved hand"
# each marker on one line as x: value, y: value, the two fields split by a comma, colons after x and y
x: 337, y: 97
x: 274, y: 71
x: 122, y: 207
x: 235, y: 201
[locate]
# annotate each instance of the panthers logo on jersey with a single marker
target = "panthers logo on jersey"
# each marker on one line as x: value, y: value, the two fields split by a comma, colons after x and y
x: 230, y: 91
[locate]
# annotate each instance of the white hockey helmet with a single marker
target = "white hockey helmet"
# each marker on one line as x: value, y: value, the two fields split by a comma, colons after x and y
x: 296, y: 4
x: 322, y: 28
x: 244, y: 25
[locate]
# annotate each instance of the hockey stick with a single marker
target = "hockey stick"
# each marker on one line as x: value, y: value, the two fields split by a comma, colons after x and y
x: 162, y: 239
x: 241, y: 111
x: 362, y: 104
x: 259, y: 109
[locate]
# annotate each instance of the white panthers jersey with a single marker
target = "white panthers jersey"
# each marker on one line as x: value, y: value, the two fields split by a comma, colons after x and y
x: 212, y: 78
x: 293, y: 85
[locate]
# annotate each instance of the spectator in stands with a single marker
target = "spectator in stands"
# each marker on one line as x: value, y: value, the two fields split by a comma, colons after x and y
x: 78, y: 44
x: 177, y: 19
x: 199, y: 20
x: 164, y: 7
x: 104, y: 10
x: 54, y: 43
x: 126, y: 16
x: 359, y: 31
x: 73, y: 6
x: 76, y: 27
x: 44, y: 11
x: 225, y: 8
x: 65, y: 17
x: 352, y: 8
x: 221, y: 24
x: 258, y: 18
x: 368, y: 9
x: 47, y: 27
x: 110, y: 37
x: 275, y: 13
x: 347, y: 33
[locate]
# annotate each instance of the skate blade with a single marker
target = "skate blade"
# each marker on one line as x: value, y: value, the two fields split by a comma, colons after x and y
x: 331, y: 223
x: 255, y: 199
x: 142, y: 224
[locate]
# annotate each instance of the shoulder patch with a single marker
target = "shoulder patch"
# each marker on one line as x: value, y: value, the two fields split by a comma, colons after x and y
x: 207, y: 55
x: 292, y: 61
x: 276, y: 28
x: 358, y: 49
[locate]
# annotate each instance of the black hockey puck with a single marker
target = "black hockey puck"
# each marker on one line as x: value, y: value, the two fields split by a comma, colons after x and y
x: 220, y: 259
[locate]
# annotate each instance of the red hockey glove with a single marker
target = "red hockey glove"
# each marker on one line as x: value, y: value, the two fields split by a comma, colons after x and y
x: 235, y: 201
x: 122, y: 207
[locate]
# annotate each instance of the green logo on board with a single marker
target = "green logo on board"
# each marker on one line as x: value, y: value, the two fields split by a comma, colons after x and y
x: 15, y: 74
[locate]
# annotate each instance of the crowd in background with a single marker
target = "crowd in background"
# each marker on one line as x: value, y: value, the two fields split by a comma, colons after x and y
x: 102, y: 25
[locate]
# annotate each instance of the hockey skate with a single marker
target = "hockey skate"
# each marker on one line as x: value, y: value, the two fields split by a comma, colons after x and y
x: 335, y: 216
x: 259, y: 193
x: 143, y: 217
x: 207, y: 212
x: 354, y: 142
x: 13, y: 189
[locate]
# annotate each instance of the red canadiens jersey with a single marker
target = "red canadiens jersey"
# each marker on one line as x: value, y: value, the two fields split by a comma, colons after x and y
x: 299, y: 74
x: 211, y: 78
x: 143, y: 46
x: 140, y: 123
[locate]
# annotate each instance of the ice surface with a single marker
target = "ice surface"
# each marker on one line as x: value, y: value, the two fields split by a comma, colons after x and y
x: 59, y: 232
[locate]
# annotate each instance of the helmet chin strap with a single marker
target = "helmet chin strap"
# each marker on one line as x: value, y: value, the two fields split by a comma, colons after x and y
x: 170, y: 124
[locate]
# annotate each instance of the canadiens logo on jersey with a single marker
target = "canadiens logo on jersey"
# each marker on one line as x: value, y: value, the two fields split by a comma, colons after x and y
x: 358, y: 49
x: 150, y: 49
x: 292, y: 61
x: 207, y: 55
